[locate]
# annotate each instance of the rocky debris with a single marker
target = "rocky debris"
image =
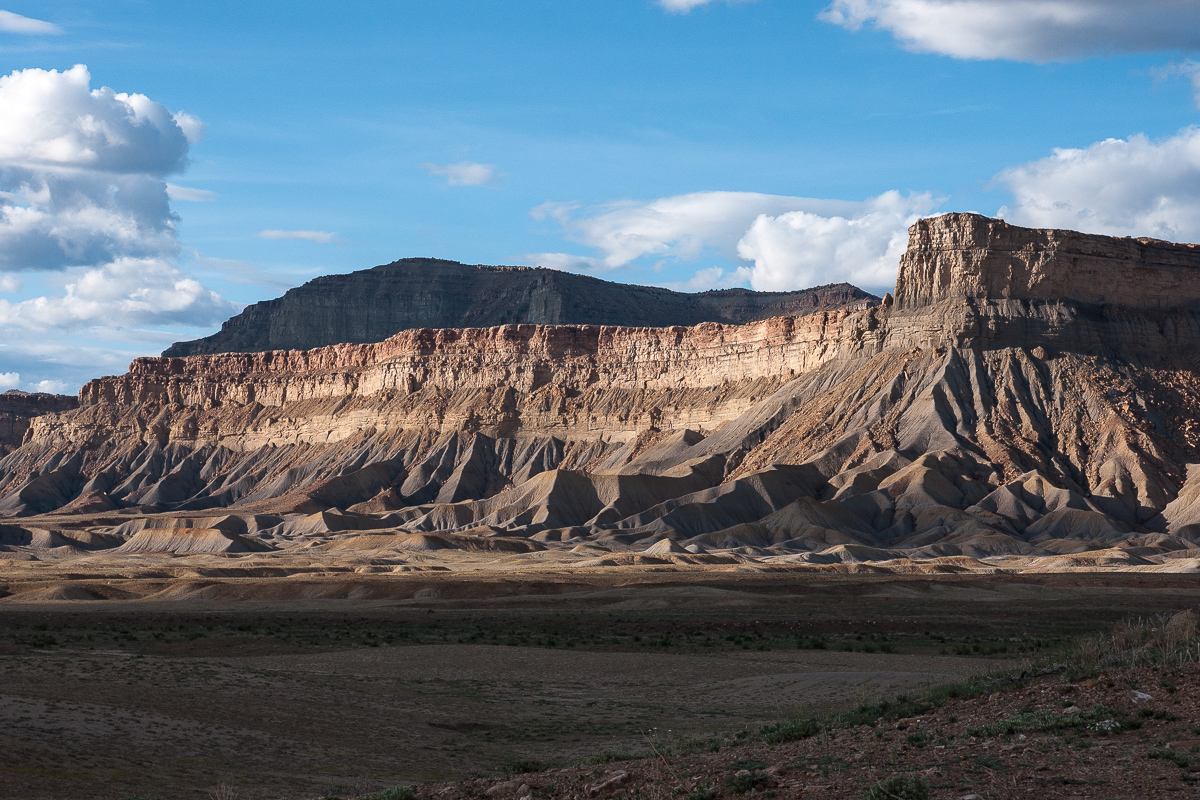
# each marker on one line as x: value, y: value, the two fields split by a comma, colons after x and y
x: 610, y: 781
x: 1001, y: 420
x: 375, y: 304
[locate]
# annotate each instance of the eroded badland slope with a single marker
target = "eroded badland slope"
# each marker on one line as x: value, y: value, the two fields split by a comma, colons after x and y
x: 1028, y: 400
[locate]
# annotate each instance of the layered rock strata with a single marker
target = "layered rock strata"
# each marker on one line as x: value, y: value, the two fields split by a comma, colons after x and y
x: 998, y: 409
x: 17, y: 408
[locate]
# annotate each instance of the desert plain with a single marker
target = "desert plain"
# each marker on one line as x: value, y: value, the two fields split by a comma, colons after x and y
x: 347, y: 685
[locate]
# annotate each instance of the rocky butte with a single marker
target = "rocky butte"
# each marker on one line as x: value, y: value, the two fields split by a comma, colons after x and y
x: 1028, y: 400
x: 373, y: 304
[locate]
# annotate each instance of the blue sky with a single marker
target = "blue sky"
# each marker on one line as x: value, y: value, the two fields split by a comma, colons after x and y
x: 774, y: 144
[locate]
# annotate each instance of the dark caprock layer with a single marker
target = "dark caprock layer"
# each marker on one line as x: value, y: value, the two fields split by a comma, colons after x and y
x: 371, y: 305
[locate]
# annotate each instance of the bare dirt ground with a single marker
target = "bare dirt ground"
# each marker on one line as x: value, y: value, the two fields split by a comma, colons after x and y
x: 1119, y: 735
x: 306, y: 698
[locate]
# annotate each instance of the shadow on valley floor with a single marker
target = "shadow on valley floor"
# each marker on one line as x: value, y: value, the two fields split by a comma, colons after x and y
x: 142, y: 699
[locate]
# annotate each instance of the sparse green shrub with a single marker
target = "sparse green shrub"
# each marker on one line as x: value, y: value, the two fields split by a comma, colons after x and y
x: 899, y: 787
x: 609, y: 756
x: 1099, y: 719
x: 745, y: 781
x: 521, y: 767
x: 705, y: 791
x: 789, y: 731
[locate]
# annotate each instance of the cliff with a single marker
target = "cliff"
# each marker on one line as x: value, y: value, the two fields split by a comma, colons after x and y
x: 970, y: 256
x: 372, y: 305
x: 17, y: 408
x: 1008, y: 404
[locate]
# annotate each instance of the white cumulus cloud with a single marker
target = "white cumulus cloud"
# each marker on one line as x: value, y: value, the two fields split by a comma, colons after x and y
x: 126, y: 293
x: 52, y: 219
x: 801, y: 248
x: 84, y: 202
x: 679, y: 227
x: 1027, y: 30
x: 792, y: 242
x: 81, y: 171
x: 464, y: 173
x: 15, y: 23
x: 320, y: 237
x: 55, y: 119
x: 1120, y: 187
x: 9, y: 380
x: 51, y: 386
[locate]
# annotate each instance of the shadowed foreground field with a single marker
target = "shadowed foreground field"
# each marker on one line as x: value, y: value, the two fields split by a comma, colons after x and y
x: 113, y: 699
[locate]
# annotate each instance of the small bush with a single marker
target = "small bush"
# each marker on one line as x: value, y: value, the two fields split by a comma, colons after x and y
x: 521, y: 767
x: 789, y: 731
x: 1100, y: 719
x: 747, y: 781
x: 899, y: 787
x: 609, y: 756
x: 705, y: 791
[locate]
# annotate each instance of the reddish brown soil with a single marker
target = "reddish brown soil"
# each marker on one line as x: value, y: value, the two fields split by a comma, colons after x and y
x: 1159, y: 758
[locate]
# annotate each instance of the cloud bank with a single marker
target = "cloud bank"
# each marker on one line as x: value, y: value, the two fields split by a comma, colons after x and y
x: 793, y: 242
x: 1026, y: 30
x: 801, y: 248
x: 81, y: 171
x: 128, y: 292
x: 85, y: 205
x: 1119, y: 187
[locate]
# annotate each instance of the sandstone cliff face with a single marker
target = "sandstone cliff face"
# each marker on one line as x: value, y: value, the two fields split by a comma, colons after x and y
x: 969, y: 256
x: 372, y: 305
x: 985, y: 413
x: 522, y: 358
x: 17, y: 408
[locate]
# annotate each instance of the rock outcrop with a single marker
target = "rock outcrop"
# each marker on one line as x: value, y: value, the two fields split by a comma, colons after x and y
x: 17, y: 408
x: 372, y: 305
x: 960, y: 256
x: 1007, y: 405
